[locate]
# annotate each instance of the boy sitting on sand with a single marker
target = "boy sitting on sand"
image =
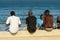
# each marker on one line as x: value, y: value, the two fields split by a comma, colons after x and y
x: 13, y: 22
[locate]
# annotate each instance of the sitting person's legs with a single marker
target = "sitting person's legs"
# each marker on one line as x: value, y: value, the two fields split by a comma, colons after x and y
x: 48, y: 29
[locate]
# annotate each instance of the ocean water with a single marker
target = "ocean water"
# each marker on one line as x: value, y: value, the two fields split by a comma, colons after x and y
x: 21, y: 8
x: 22, y: 12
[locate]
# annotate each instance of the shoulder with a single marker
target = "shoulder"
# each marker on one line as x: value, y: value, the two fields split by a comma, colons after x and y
x: 39, y: 19
x: 27, y: 17
x: 51, y: 16
x: 9, y: 17
x: 34, y: 17
x: 17, y: 17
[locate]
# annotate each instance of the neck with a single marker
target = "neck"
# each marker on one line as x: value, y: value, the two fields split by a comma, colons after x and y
x: 13, y: 15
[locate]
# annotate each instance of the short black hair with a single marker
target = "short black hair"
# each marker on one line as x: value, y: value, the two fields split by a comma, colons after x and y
x: 41, y: 16
x: 46, y: 11
x: 12, y: 13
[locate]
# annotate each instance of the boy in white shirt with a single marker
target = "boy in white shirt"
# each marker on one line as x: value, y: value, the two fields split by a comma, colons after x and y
x: 13, y: 22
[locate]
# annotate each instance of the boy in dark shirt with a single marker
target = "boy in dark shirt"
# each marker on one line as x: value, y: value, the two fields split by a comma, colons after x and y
x: 58, y: 22
x: 31, y: 22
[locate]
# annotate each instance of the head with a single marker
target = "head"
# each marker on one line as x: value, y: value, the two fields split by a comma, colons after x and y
x: 41, y: 16
x: 47, y: 12
x: 58, y: 18
x: 12, y: 13
x: 30, y: 13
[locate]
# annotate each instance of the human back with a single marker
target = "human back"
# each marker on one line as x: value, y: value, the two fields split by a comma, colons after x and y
x: 40, y: 22
x: 31, y: 23
x: 31, y: 20
x: 13, y: 22
x: 49, y: 21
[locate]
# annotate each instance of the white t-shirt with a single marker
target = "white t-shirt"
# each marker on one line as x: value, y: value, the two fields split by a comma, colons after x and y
x: 14, y: 23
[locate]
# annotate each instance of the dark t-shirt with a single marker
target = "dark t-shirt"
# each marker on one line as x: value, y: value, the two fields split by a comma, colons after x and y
x: 31, y: 23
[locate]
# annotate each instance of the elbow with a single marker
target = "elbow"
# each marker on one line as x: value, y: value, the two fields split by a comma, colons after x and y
x: 7, y: 24
x: 19, y: 25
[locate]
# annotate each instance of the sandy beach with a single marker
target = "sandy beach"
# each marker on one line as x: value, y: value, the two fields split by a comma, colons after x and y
x: 25, y: 35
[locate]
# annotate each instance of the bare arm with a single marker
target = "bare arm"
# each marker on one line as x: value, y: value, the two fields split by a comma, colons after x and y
x: 8, y: 22
x: 19, y: 22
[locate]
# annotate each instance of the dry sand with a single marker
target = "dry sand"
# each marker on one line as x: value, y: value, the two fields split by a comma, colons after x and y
x: 25, y: 35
